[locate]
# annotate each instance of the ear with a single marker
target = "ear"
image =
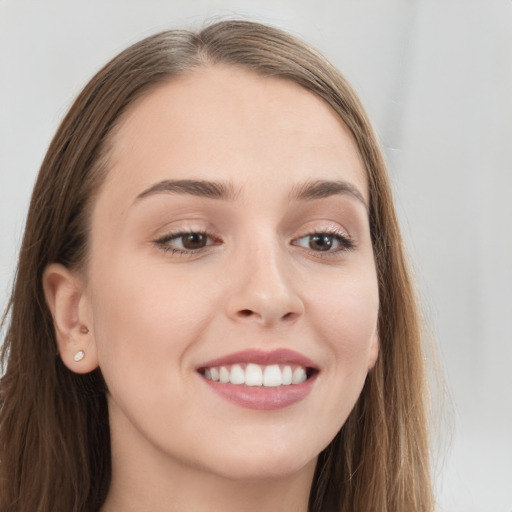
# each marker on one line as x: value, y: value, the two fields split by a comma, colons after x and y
x: 373, y: 352
x: 72, y: 319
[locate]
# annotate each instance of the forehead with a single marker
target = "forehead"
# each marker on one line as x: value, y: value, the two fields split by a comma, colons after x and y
x: 230, y: 124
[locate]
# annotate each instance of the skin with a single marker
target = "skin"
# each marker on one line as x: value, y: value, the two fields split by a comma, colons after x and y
x: 154, y: 315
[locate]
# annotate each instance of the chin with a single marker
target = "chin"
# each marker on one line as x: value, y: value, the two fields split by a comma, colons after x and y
x: 262, y: 464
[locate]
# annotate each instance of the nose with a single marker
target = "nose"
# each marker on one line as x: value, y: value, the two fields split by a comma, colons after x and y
x: 262, y: 290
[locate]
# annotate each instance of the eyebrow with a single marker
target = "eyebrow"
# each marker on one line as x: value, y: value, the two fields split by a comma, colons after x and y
x: 321, y: 189
x: 199, y: 188
x: 311, y: 190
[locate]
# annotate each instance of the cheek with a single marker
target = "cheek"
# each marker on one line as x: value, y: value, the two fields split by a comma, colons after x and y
x: 144, y: 317
x: 349, y: 309
x: 346, y: 319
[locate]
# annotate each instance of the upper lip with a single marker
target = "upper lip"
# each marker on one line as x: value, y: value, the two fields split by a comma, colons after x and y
x: 258, y: 356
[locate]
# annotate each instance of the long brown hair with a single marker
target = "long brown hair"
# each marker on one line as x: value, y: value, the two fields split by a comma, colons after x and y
x: 54, y: 432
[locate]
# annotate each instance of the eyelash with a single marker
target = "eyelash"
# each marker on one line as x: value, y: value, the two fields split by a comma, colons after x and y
x: 344, y: 241
x: 163, y: 243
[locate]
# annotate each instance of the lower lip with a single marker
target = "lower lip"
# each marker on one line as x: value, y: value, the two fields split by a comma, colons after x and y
x: 260, y: 397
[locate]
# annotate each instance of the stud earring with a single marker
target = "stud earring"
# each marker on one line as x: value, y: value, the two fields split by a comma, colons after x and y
x: 84, y: 329
x: 79, y: 356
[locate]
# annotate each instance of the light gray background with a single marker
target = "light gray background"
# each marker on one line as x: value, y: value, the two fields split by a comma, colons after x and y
x: 436, y: 77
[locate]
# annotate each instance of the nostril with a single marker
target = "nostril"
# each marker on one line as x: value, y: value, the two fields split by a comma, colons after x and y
x: 245, y: 313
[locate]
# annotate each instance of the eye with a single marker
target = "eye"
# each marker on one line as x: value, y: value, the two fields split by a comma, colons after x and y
x: 185, y: 243
x: 325, y: 242
x: 193, y: 241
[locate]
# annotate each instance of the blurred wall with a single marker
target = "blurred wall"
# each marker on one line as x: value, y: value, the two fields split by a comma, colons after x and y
x: 436, y: 77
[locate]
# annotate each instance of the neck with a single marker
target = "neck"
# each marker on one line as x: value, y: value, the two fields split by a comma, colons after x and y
x: 207, y: 494
x: 146, y: 489
x: 144, y: 479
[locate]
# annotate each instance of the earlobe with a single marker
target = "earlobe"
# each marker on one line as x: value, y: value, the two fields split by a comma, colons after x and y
x: 72, y: 321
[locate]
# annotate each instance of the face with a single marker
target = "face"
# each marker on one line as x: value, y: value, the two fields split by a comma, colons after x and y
x: 230, y: 254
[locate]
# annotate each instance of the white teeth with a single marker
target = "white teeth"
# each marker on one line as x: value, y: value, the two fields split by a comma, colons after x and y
x: 223, y: 374
x: 287, y: 375
x: 237, y: 375
x: 299, y: 375
x: 253, y: 375
x: 272, y: 376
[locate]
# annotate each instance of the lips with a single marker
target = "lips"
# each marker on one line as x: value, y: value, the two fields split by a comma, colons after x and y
x: 261, y: 380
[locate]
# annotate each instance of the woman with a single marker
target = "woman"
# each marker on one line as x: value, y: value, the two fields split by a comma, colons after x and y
x: 212, y: 309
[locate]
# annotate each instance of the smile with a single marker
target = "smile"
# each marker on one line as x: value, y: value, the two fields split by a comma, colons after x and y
x: 261, y: 380
x: 253, y: 374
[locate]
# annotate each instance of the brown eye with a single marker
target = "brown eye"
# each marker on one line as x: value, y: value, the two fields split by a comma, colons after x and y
x: 192, y: 241
x: 325, y: 242
x: 321, y: 242
x: 185, y: 243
